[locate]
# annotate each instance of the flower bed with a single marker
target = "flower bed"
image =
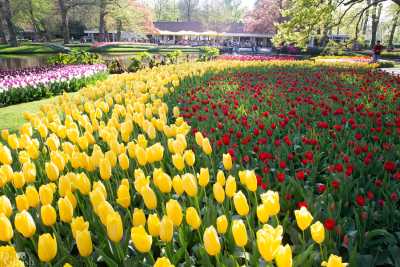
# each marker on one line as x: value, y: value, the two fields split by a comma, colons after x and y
x: 324, y: 137
x: 345, y: 59
x: 256, y: 58
x: 112, y: 176
x: 26, y: 85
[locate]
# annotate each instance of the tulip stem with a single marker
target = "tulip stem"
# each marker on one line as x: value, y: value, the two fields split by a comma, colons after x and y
x: 217, y: 259
x: 321, y: 251
x: 152, y: 258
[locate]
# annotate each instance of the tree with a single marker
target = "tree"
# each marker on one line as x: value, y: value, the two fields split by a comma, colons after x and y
x: 395, y: 22
x: 3, y: 38
x: 166, y: 10
x: 375, y: 16
x: 188, y: 9
x: 264, y: 15
x: 5, y: 10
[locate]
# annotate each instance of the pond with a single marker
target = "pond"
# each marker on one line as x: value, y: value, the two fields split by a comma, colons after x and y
x: 34, y: 60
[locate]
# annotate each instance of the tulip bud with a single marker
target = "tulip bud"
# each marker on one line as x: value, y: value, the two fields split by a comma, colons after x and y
x: 138, y: 217
x: 163, y: 182
x: 199, y: 138
x: 45, y: 194
x: 64, y: 185
x: 52, y: 171
x: 318, y: 232
x: 222, y: 224
x: 6, y: 232
x: 123, y: 161
x: 5, y: 206
x: 105, y: 169
x: 29, y: 171
x: 22, y: 202
x: 123, y: 196
x: 48, y: 215
x: 262, y: 213
x: 189, y: 184
x: 203, y: 177
x: 241, y: 205
x: 78, y: 224
x: 174, y: 211
x: 192, y: 218
x: 219, y: 193
x: 65, y: 209
x: 230, y: 186
x: 239, y: 233
x: 114, y: 227
x: 303, y: 218
x: 206, y: 146
x: 5, y: 155
x: 227, y: 161
x: 153, y: 225
x: 166, y: 229
x: 163, y: 262
x: 270, y: 200
x: 334, y: 261
x: 84, y: 243
x: 178, y: 162
x: 25, y: 224
x: 189, y: 157
x: 47, y: 247
x: 284, y: 256
x: 211, y: 241
x: 141, y: 240
x: 103, y: 210
x: 251, y: 181
x: 149, y: 197
x: 18, y: 180
x: 177, y: 184
x: 140, y: 154
x: 13, y: 141
x: 221, y: 177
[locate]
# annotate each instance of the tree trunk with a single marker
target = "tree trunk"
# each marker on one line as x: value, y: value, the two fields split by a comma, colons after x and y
x: 35, y: 24
x: 64, y: 20
x: 365, y: 22
x: 119, y: 29
x: 393, y: 29
x: 102, y: 19
x: 3, y: 38
x: 376, y: 13
x: 6, y: 11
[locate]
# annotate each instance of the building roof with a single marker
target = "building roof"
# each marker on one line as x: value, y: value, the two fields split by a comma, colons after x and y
x: 176, y: 26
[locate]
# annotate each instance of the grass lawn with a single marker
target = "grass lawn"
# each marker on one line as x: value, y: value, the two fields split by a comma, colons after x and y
x: 29, y: 48
x: 11, y: 117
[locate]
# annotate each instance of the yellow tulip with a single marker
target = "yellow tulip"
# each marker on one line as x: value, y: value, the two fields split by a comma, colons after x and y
x: 138, y: 217
x: 174, y: 211
x: 105, y: 169
x: 5, y: 206
x: 166, y: 229
x: 219, y: 193
x: 239, y: 233
x: 227, y: 161
x: 65, y: 209
x: 241, y: 205
x: 268, y: 241
x: 177, y: 184
x: 71, y: 197
x: 192, y: 218
x: 334, y: 261
x: 303, y: 218
x: 149, y: 197
x: 13, y: 141
x: 4, y: 134
x: 52, y: 171
x: 29, y: 171
x: 206, y: 146
x: 141, y: 240
x: 48, y: 215
x: 175, y: 112
x: 163, y: 262
x: 230, y: 186
x: 199, y: 138
x: 5, y: 155
x: 53, y: 142
x: 251, y: 181
x: 153, y: 224
x: 47, y: 247
x: 45, y: 194
x: 123, y: 161
x: 222, y: 224
x: 262, y: 213
x: 57, y: 158
x: 163, y: 182
x: 123, y: 196
x: 84, y: 243
x: 178, y: 162
x: 270, y: 200
x: 22, y: 202
x: 221, y: 177
x: 96, y: 197
x: 114, y: 227
x: 211, y: 241
x: 32, y: 195
x: 18, y: 180
x: 103, y: 210
x: 318, y: 232
x: 25, y: 224
x: 283, y: 257
x: 64, y: 185
x: 189, y: 184
x: 140, y: 155
x: 78, y: 224
x: 98, y: 185
x: 6, y: 232
x: 189, y: 157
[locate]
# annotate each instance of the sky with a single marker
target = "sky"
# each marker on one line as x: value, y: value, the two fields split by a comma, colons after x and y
x: 248, y: 3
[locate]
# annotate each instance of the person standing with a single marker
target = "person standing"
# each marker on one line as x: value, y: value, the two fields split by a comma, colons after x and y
x: 376, y: 51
